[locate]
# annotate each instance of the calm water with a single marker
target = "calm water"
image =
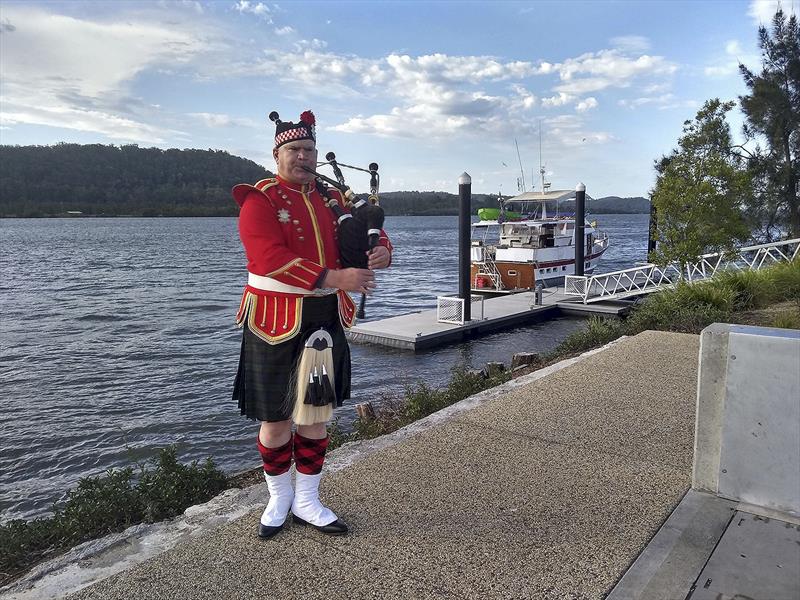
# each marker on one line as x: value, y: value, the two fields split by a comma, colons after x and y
x: 117, y: 339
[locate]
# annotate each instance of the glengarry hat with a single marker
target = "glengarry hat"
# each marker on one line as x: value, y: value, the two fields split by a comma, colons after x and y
x: 286, y: 131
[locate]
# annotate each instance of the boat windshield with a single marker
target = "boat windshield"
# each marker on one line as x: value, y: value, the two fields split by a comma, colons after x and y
x: 487, y: 235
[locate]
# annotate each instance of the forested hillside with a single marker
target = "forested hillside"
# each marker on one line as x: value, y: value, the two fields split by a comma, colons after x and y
x: 120, y: 180
x: 98, y: 180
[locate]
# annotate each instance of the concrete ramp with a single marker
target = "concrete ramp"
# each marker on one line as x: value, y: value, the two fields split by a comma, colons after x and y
x: 736, y: 534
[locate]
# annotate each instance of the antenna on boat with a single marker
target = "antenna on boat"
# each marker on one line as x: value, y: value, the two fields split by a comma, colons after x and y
x: 545, y: 185
x: 521, y: 170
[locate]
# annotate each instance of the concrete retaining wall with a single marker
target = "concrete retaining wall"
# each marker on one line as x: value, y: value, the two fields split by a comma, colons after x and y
x: 747, y: 433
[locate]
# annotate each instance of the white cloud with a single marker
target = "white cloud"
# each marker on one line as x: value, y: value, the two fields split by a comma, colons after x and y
x: 110, y: 125
x: 314, y: 44
x: 288, y: 30
x: 258, y: 9
x: 77, y: 73
x: 559, y: 99
x: 221, y: 120
x: 762, y: 11
x: 586, y: 104
x: 631, y: 43
x: 525, y: 99
x: 608, y: 68
x: 728, y: 65
x: 660, y: 102
x: 733, y: 48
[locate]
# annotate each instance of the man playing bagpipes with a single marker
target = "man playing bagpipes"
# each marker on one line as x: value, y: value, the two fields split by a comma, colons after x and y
x: 294, y: 365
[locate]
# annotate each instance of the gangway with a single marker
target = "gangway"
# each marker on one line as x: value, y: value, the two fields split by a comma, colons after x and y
x: 649, y: 278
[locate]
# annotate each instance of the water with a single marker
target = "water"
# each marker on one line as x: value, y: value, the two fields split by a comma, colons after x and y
x: 117, y: 339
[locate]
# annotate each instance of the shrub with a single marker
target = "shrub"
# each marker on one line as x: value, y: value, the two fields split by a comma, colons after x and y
x: 418, y: 401
x: 785, y: 277
x: 789, y: 319
x: 598, y: 331
x: 106, y: 504
x: 687, y: 308
x: 752, y: 289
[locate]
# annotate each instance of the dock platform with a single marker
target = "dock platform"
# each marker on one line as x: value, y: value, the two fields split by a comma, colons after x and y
x: 421, y: 330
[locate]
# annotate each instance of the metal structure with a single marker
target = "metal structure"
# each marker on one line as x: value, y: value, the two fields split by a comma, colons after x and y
x: 450, y: 309
x: 652, y: 278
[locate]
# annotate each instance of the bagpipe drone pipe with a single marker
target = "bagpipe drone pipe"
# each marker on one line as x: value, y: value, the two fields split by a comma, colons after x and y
x: 359, y: 231
x: 314, y: 398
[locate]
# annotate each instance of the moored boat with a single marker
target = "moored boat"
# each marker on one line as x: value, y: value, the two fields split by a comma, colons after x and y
x: 523, y: 245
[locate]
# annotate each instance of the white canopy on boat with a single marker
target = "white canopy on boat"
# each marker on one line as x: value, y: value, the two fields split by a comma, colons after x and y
x: 553, y: 196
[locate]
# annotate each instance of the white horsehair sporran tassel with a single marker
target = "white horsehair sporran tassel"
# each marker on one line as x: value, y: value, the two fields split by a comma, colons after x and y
x: 314, y: 397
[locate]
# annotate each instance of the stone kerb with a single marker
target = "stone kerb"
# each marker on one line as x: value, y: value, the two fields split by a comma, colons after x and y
x: 747, y: 430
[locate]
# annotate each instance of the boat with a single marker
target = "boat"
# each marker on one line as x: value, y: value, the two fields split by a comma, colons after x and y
x: 523, y: 245
x: 491, y: 214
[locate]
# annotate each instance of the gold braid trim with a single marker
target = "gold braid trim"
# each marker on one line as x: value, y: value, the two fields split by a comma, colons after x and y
x: 277, y: 339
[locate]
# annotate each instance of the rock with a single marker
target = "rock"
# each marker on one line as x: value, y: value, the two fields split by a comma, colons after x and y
x: 523, y: 359
x: 365, y: 411
x: 492, y: 369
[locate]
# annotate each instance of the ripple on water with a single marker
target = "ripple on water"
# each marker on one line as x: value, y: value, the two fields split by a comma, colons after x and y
x: 124, y: 357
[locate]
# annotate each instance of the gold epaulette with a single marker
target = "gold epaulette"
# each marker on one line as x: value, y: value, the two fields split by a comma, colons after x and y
x: 241, y: 190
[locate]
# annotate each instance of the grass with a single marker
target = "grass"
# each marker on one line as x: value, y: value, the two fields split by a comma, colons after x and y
x: 688, y: 308
x: 106, y: 504
x: 418, y: 401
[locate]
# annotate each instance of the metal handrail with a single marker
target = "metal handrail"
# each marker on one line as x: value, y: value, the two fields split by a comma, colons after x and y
x: 650, y: 277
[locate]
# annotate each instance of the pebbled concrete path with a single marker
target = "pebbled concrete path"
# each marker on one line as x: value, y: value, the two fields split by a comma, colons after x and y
x: 549, y: 489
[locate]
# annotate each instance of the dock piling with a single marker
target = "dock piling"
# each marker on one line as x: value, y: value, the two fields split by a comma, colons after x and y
x: 465, y: 196
x: 580, y: 227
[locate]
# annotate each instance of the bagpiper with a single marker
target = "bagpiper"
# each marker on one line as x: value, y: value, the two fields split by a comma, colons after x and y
x: 294, y: 366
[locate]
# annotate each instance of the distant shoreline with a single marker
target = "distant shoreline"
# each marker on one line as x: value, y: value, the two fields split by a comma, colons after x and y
x: 217, y: 216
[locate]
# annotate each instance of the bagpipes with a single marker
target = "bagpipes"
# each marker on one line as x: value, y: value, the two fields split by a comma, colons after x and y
x: 359, y: 231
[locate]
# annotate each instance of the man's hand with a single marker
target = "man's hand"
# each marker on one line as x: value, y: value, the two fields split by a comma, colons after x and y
x: 351, y: 280
x: 379, y: 257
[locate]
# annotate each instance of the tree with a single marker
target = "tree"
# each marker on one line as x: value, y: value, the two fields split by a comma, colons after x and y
x: 772, y: 112
x: 699, y: 190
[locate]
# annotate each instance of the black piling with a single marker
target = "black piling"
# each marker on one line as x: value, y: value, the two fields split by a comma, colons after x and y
x: 464, y: 222
x: 580, y: 227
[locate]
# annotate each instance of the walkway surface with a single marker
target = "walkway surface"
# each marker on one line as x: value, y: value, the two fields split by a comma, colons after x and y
x: 548, y: 489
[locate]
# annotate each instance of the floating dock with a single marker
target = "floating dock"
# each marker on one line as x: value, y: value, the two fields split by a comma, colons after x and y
x: 422, y: 330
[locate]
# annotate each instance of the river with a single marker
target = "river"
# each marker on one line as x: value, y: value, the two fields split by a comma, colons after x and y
x: 117, y: 339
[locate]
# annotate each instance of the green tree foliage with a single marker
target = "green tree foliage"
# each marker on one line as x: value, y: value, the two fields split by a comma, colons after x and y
x: 38, y: 181
x: 127, y: 180
x: 699, y: 191
x: 772, y: 110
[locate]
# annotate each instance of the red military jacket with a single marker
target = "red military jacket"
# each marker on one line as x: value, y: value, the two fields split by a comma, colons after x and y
x: 290, y: 239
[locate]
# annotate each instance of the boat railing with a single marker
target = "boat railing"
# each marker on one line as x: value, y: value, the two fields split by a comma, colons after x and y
x: 650, y: 277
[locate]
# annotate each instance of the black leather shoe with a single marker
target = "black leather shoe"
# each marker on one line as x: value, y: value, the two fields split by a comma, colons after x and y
x: 336, y: 528
x: 267, y: 531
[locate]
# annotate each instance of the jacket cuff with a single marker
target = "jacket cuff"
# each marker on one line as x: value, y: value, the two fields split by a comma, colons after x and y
x: 302, y: 273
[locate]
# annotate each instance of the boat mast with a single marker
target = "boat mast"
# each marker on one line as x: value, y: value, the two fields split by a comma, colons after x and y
x: 521, y: 171
x: 541, y: 172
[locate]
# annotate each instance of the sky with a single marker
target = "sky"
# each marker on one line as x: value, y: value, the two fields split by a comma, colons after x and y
x: 428, y: 90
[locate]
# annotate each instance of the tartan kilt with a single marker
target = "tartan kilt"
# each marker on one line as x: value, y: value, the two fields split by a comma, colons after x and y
x: 266, y: 373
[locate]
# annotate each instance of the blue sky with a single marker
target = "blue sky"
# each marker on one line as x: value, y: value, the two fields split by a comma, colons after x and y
x: 426, y: 89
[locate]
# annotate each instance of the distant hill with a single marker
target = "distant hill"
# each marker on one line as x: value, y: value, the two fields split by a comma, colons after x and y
x: 95, y: 179
x: 442, y: 203
x: 617, y: 205
x: 120, y: 180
